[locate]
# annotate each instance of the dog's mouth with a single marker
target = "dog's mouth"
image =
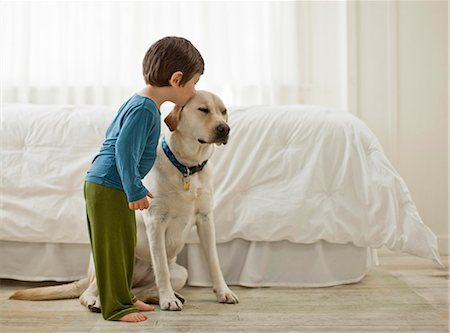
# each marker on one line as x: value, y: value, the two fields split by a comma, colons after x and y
x: 221, y: 140
x: 217, y: 140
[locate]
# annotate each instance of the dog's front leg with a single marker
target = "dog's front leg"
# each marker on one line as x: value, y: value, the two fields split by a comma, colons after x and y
x: 206, y: 233
x: 156, y: 231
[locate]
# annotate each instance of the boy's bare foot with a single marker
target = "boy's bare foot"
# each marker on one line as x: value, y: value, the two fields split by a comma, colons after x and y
x: 143, y: 306
x: 133, y: 317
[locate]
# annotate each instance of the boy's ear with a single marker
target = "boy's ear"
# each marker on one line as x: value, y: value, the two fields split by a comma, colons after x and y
x: 173, y: 118
x: 175, y: 79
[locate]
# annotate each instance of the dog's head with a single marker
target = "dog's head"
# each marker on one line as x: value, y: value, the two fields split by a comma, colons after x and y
x: 204, y: 117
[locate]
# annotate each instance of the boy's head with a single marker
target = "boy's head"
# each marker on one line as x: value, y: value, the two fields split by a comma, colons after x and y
x: 170, y: 55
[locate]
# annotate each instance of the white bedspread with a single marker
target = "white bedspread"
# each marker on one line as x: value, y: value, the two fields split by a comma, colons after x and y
x: 297, y: 173
x: 46, y: 152
x: 305, y: 173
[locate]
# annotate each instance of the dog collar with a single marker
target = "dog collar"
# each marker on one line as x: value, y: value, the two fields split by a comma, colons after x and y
x: 186, y: 171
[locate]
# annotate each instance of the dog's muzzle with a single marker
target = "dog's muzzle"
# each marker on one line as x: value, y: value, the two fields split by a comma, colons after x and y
x: 221, y: 133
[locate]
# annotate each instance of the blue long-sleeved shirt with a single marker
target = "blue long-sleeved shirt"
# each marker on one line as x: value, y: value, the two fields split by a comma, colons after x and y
x: 129, y: 150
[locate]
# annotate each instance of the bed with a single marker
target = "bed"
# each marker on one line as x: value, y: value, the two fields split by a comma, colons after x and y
x: 304, y: 196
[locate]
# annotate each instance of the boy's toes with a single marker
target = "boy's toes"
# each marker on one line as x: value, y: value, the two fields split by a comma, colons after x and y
x: 143, y: 306
x: 134, y: 317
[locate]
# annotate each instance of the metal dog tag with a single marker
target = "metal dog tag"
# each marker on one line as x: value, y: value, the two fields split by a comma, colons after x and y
x: 187, y: 183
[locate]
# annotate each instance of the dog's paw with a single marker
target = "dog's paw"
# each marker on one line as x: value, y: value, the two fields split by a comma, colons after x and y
x: 180, y: 297
x: 227, y: 296
x: 170, y: 303
x: 95, y: 309
x: 91, y: 302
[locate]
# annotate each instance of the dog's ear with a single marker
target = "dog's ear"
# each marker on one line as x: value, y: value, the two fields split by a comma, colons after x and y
x: 173, y: 118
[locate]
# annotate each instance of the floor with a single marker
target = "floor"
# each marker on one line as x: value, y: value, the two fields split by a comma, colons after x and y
x: 403, y: 294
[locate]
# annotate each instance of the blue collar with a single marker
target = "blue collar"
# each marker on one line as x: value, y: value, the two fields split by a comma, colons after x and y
x: 186, y: 171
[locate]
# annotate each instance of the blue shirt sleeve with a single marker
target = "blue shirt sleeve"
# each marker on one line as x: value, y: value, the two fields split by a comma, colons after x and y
x: 130, y: 146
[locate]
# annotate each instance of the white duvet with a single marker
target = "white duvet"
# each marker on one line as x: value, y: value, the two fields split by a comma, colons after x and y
x: 297, y: 173
x: 305, y: 173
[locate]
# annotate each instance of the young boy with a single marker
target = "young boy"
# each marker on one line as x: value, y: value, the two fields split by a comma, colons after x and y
x: 113, y: 188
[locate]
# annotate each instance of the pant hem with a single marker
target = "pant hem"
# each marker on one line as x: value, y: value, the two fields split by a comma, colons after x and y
x: 122, y: 313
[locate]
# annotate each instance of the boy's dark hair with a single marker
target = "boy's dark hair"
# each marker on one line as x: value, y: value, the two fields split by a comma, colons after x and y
x: 169, y: 55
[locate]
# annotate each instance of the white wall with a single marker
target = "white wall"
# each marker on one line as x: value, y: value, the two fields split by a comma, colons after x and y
x: 398, y: 71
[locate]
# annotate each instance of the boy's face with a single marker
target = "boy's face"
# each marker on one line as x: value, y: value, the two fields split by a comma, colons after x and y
x: 184, y: 93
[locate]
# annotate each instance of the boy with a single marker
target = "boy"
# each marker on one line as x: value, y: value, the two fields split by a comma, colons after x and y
x: 113, y: 188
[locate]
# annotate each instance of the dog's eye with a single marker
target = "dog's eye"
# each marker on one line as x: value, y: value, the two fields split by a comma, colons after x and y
x: 224, y: 112
x: 205, y: 110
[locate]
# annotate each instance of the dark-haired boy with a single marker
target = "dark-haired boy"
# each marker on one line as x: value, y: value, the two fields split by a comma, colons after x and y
x: 113, y: 188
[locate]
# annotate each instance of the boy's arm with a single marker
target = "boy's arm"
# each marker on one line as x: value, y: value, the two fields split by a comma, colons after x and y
x: 130, y: 146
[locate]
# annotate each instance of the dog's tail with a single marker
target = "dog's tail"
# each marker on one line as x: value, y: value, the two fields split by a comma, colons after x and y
x: 64, y: 291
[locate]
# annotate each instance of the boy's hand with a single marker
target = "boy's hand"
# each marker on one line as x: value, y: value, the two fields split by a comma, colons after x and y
x: 140, y: 204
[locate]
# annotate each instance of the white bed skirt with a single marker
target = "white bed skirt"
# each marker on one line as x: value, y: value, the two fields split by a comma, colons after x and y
x: 43, y: 261
x: 281, y: 264
x: 252, y: 264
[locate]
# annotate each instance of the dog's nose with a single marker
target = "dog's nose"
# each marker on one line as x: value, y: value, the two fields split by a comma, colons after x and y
x: 223, y: 129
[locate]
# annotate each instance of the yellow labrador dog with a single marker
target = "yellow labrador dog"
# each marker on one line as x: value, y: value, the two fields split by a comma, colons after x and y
x: 180, y: 181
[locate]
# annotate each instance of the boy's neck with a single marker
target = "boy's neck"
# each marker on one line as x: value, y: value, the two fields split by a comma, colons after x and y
x: 159, y: 95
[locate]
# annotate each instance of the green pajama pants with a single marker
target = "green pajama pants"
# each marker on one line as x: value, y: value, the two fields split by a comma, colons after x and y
x: 112, y: 231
